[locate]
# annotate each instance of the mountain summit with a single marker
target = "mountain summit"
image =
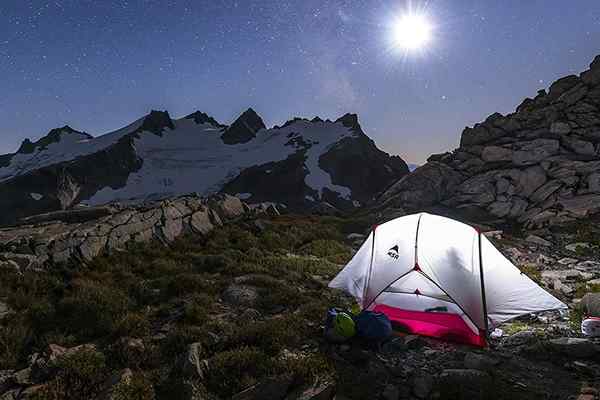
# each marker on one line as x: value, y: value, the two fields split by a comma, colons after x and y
x: 301, y: 164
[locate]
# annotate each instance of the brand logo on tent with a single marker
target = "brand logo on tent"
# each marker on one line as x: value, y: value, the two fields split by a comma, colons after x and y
x: 393, y: 252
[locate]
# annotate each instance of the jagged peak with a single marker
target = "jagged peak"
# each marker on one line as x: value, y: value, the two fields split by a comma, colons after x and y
x: 156, y: 121
x: 244, y: 128
x: 350, y: 120
x: 200, y: 117
x: 290, y: 122
x: 53, y: 136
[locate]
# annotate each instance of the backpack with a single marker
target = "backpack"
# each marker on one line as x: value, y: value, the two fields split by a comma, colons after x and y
x: 373, y: 326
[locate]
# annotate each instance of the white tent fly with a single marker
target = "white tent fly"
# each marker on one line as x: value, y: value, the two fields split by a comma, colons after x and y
x: 439, y: 277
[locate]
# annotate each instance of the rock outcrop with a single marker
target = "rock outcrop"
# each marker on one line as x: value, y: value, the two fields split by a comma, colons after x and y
x: 83, y: 234
x: 537, y: 166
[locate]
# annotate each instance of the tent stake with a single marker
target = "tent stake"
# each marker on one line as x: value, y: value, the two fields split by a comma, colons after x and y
x: 485, y: 314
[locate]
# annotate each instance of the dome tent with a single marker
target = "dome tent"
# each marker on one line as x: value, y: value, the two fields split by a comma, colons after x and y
x: 439, y: 277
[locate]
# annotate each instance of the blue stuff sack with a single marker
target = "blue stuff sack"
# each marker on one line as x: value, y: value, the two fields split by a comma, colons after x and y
x: 374, y: 326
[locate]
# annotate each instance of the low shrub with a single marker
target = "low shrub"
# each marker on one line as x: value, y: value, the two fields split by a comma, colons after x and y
x: 92, y: 309
x: 138, y: 388
x: 210, y: 262
x: 134, y: 325
x: 234, y: 370
x: 79, y: 376
x: 14, y: 338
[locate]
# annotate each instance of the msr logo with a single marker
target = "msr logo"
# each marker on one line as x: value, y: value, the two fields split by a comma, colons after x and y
x: 393, y: 252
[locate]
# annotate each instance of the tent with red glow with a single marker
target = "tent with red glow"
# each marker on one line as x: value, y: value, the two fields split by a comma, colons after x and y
x: 438, y: 277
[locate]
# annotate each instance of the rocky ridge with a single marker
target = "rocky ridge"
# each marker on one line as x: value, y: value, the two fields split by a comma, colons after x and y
x: 81, y: 235
x: 538, y: 166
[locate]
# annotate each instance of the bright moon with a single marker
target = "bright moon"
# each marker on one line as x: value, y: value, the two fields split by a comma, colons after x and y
x: 412, y: 32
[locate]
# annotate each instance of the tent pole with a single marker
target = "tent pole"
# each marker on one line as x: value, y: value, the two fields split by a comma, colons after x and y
x: 481, y: 278
x: 365, y: 306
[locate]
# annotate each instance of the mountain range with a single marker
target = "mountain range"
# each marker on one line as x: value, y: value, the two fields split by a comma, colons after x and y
x: 302, y: 164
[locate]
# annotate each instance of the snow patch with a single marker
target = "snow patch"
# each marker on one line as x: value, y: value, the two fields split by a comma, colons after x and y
x: 36, y: 196
x: 243, y: 196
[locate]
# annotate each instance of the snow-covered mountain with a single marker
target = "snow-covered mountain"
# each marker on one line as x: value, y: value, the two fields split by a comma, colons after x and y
x: 302, y: 163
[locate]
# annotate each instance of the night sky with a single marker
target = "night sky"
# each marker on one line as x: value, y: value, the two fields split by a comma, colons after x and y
x: 99, y: 65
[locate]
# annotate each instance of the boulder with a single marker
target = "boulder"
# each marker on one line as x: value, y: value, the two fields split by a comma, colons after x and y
x: 581, y: 206
x: 578, y: 146
x: 543, y: 192
x: 590, y: 304
x: 240, y: 295
x: 560, y: 128
x: 577, y: 246
x: 534, y: 151
x: 562, y: 85
x: 496, y: 153
x: 426, y: 186
x: 193, y: 365
x: 574, y: 347
x: 480, y: 134
x: 538, y: 241
x: 228, y: 207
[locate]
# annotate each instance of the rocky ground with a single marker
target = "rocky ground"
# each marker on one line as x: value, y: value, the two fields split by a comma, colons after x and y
x: 237, y: 312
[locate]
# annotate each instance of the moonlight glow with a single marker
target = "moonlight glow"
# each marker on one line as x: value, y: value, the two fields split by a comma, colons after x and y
x: 412, y: 32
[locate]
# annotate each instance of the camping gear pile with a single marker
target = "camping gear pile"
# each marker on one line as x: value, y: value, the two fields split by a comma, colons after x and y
x: 342, y: 325
x: 438, y: 277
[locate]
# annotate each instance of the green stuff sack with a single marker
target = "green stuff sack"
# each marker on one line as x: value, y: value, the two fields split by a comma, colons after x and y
x: 343, y: 325
x: 339, y: 325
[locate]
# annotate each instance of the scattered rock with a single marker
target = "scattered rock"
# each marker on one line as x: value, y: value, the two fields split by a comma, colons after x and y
x: 193, y: 365
x: 520, y: 338
x: 480, y: 362
x: 240, y: 295
x: 567, y: 261
x: 538, y: 240
x: 577, y: 246
x: 316, y: 391
x: 574, y: 347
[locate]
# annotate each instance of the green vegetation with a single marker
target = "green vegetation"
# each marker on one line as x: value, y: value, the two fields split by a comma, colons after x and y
x: 142, y: 308
x: 532, y: 272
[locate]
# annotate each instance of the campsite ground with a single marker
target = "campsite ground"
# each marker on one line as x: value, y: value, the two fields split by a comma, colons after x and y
x: 241, y: 310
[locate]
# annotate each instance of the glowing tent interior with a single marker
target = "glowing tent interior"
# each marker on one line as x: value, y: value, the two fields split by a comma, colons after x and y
x: 438, y: 277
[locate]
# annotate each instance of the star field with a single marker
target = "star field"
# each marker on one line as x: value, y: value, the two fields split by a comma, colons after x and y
x: 98, y: 65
